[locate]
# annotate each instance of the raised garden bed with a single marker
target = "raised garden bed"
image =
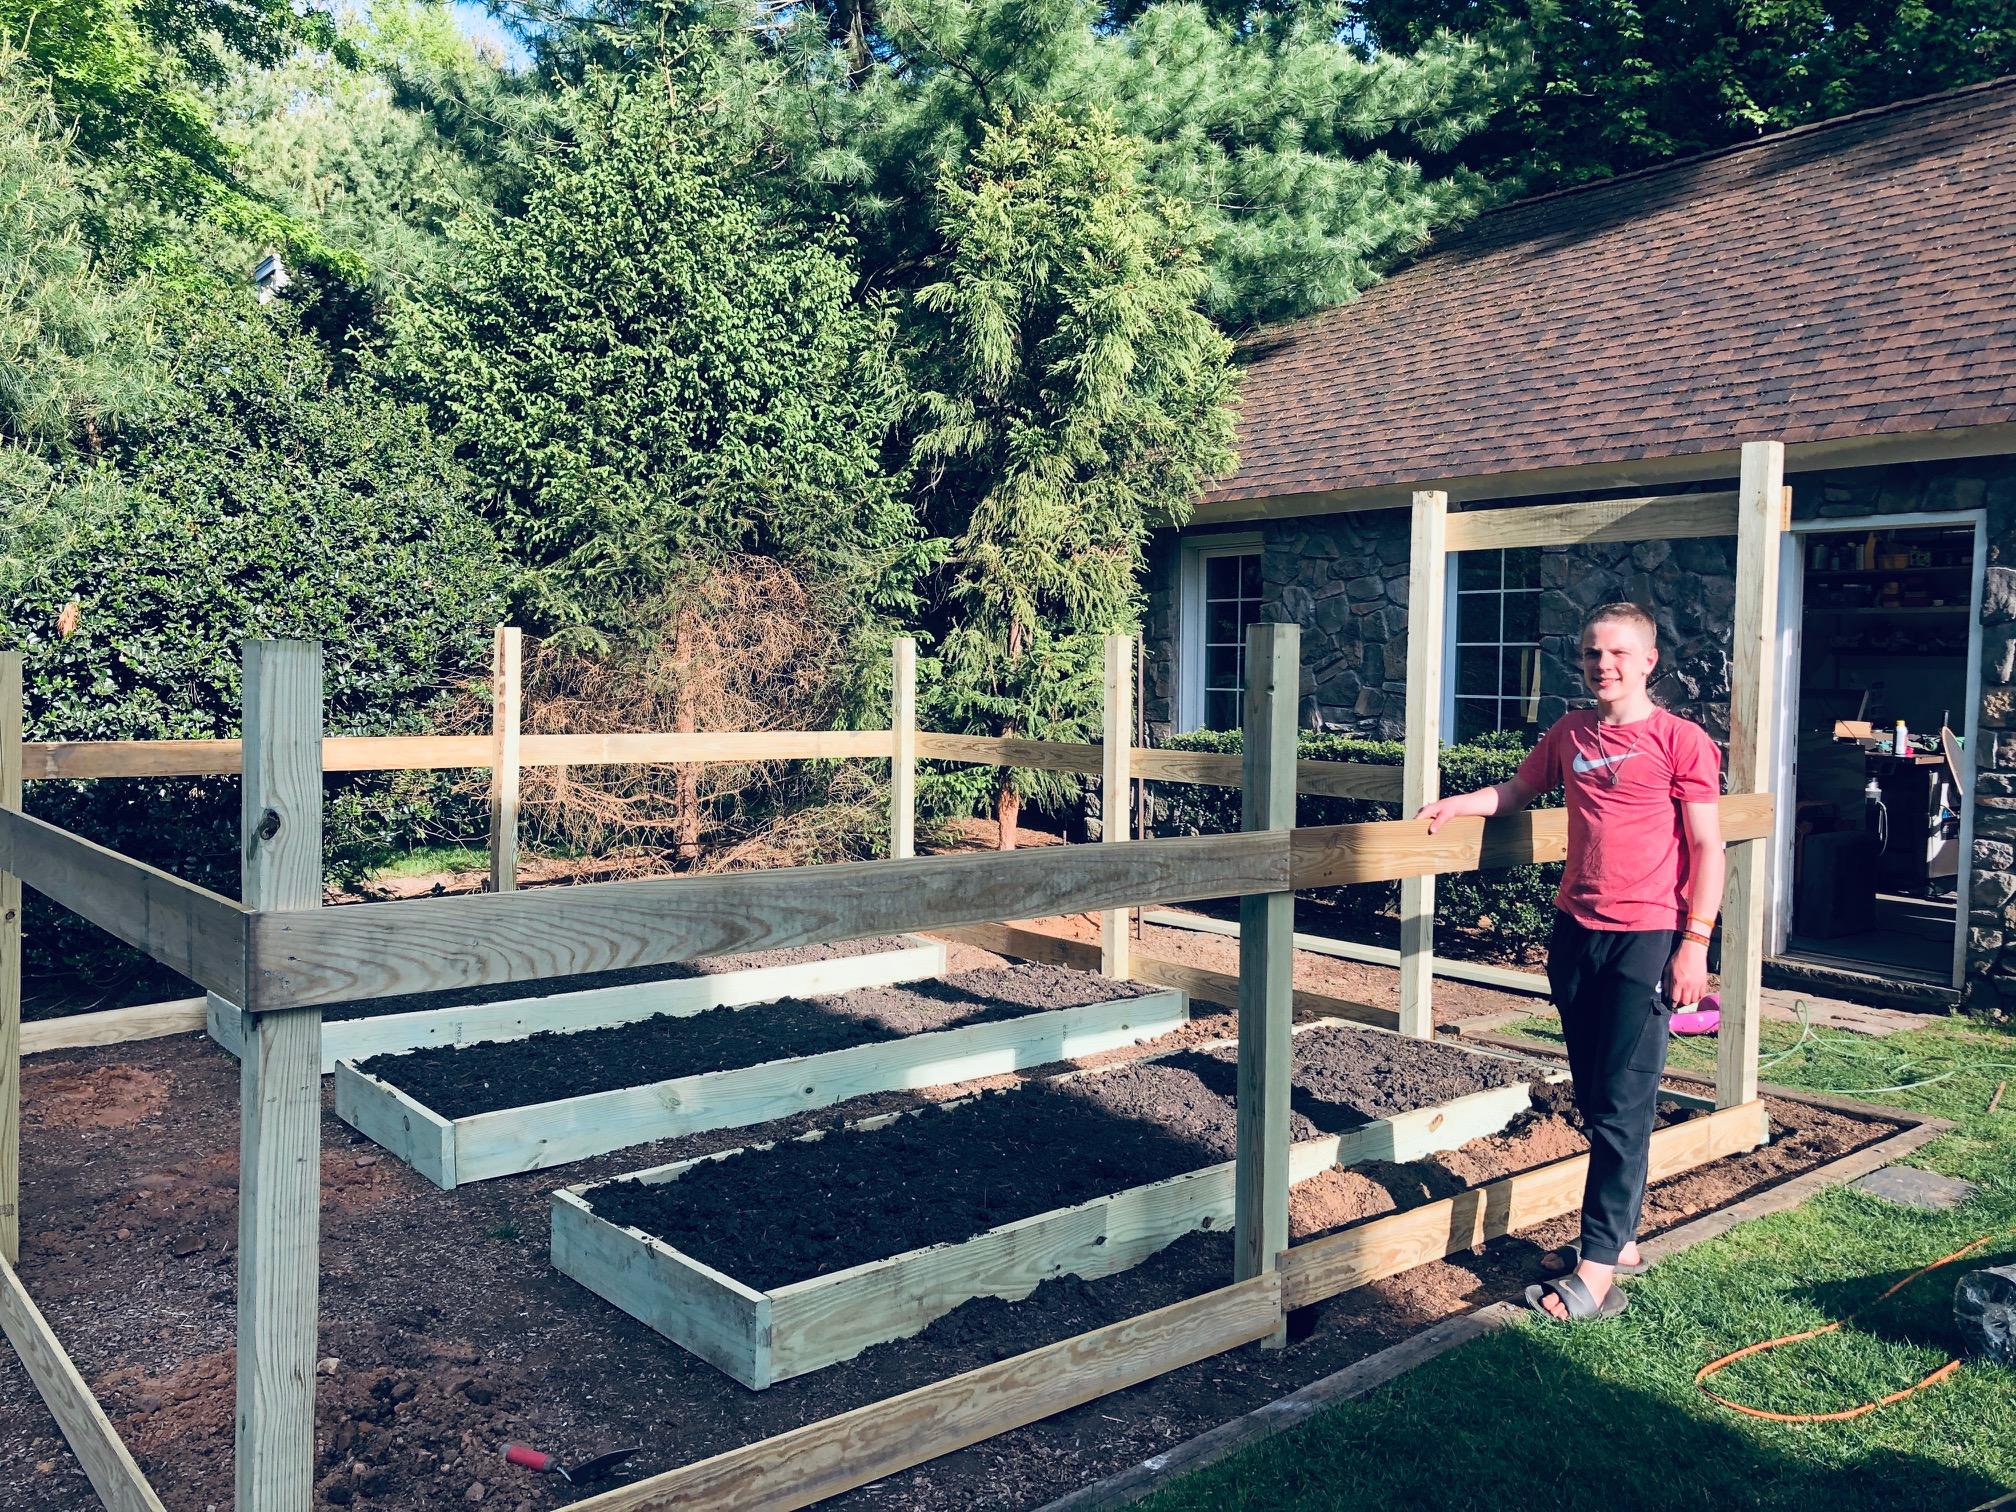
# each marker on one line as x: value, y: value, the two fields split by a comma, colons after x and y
x: 793, y: 1256
x: 462, y: 1115
x: 355, y: 1032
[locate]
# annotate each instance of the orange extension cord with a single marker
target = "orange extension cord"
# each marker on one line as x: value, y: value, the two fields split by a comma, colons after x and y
x: 1701, y: 1375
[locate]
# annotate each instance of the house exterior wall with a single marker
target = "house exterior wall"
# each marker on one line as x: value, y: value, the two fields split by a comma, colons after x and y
x: 1343, y: 578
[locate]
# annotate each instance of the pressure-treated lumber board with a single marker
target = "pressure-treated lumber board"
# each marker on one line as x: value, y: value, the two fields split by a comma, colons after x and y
x: 185, y: 927
x: 419, y: 753
x: 1261, y: 1176
x: 903, y: 738
x: 1665, y: 517
x: 1344, y: 854
x: 1116, y: 791
x: 1025, y: 944
x: 107, y: 1464
x: 1752, y: 698
x: 114, y: 1026
x: 507, y: 660
x: 1506, y: 978
x: 280, y: 1092
x: 529, y: 1138
x: 1387, y: 1246
x: 11, y: 1046
x: 995, y: 750
x: 381, y: 949
x: 1428, y: 582
x: 599, y: 1007
x: 836, y: 1454
x: 1322, y: 779
x: 818, y: 1322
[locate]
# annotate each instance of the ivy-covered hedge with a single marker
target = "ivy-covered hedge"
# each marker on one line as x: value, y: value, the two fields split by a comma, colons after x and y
x: 1514, y: 903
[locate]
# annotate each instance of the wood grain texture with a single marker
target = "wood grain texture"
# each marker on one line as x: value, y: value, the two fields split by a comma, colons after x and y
x: 1341, y: 854
x: 280, y: 1092
x: 507, y: 659
x: 994, y: 750
x: 1025, y: 944
x: 185, y: 927
x: 380, y: 949
x: 114, y: 1026
x: 107, y: 1464
x: 1327, y: 779
x: 1658, y: 518
x: 1752, y: 706
x: 903, y: 738
x: 11, y: 1046
x: 823, y: 1459
x: 397, y: 1123
x: 1116, y: 792
x: 1427, y: 595
x: 762, y: 745
x: 1387, y: 1246
x: 1266, y: 962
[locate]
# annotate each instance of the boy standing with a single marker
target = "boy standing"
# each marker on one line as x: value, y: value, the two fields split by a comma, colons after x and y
x: 1638, y: 900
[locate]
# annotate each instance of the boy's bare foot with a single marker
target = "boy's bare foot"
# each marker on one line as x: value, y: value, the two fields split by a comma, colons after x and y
x: 1596, y: 1277
x: 1558, y: 1262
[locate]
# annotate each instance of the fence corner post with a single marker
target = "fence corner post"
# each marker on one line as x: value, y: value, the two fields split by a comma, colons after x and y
x: 903, y: 747
x: 1421, y: 780
x: 506, y: 715
x: 1116, y: 789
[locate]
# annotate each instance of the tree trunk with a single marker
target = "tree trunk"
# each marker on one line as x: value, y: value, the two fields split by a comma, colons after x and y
x: 1007, y: 812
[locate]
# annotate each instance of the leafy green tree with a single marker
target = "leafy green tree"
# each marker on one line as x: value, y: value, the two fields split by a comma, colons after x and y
x: 1074, y: 396
x: 1598, y: 87
x: 645, y: 371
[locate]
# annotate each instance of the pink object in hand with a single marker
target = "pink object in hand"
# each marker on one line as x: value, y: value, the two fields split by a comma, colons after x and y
x: 1705, y: 1019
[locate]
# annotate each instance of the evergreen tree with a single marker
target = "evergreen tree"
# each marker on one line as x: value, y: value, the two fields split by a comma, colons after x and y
x: 1598, y: 87
x: 1074, y: 397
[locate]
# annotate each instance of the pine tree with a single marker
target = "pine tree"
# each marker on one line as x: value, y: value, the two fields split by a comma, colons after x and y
x: 1075, y: 396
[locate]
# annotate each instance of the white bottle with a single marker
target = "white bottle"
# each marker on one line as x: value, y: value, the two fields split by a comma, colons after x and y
x: 1903, y: 742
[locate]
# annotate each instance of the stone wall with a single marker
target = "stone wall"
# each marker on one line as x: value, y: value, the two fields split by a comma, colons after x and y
x: 1343, y: 578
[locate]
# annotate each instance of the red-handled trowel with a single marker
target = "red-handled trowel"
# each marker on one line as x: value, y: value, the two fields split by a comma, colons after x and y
x: 574, y: 1475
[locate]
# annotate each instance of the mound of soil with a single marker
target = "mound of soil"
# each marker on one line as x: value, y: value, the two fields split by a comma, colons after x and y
x: 677, y: 971
x: 459, y: 1081
x: 811, y: 1207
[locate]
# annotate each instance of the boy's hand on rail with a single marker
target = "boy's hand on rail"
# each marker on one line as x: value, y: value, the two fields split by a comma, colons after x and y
x: 1441, y: 811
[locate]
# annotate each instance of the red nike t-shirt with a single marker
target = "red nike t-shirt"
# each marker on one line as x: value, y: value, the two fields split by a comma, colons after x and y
x: 1627, y: 860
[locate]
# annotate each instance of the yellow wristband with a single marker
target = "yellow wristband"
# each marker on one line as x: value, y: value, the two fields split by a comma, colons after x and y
x: 1698, y: 939
x: 1707, y: 925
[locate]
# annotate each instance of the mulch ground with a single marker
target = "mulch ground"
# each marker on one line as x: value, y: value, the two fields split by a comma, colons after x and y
x: 445, y: 1333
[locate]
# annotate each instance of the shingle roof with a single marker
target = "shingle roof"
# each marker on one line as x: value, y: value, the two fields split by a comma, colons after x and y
x: 1849, y: 278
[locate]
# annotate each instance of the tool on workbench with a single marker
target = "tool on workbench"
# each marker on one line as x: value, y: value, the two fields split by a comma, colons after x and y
x: 575, y: 1475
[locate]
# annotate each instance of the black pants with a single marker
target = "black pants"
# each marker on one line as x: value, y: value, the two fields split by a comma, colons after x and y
x: 1609, y: 986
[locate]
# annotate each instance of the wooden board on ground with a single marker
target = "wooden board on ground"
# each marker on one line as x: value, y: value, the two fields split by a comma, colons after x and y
x: 761, y: 1338
x: 115, y: 1026
x: 453, y: 1152
x: 601, y: 1007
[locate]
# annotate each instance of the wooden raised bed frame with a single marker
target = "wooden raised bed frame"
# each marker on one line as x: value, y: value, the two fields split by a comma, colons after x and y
x: 600, y: 1007
x: 280, y: 955
x: 455, y: 1151
x: 762, y: 1337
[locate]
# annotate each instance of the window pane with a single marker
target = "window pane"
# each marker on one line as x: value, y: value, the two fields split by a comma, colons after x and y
x: 1476, y: 618
x: 1522, y: 617
x: 1476, y: 669
x: 1221, y: 667
x: 1221, y: 577
x: 1249, y: 575
x: 1512, y: 715
x: 1477, y: 569
x: 1221, y: 711
x: 1522, y: 567
x: 1221, y: 624
x: 1474, y: 716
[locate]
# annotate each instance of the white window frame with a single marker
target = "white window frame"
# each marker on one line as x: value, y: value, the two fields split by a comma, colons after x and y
x: 1450, y: 596
x: 1189, y: 711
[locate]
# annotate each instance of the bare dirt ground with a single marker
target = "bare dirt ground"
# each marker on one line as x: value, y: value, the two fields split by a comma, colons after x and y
x: 445, y: 1333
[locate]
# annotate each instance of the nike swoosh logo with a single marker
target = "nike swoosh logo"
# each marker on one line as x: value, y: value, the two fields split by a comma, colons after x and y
x: 1583, y: 764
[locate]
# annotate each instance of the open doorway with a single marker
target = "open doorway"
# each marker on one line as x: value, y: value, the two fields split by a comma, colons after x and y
x: 1882, y: 619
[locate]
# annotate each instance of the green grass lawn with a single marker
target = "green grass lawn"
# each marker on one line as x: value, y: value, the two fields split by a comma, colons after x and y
x: 1607, y: 1415
x: 425, y: 860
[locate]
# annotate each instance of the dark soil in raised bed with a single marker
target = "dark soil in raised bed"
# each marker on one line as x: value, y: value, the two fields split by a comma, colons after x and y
x: 676, y: 971
x: 458, y: 1081
x: 811, y: 1207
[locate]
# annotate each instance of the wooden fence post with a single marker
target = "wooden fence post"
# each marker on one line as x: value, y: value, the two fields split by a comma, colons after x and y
x: 1760, y: 508
x: 1421, y: 781
x: 10, y: 971
x: 505, y: 715
x: 280, y: 1092
x: 1266, y: 961
x: 903, y: 734
x: 1116, y: 790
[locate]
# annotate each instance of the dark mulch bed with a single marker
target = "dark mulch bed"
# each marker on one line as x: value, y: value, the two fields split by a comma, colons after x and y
x: 812, y: 1207
x: 459, y: 1081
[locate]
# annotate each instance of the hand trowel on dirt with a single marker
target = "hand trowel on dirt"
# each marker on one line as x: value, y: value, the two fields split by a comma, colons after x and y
x: 574, y: 1475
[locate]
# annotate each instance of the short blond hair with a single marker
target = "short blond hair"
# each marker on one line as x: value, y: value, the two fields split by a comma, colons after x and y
x: 1625, y: 614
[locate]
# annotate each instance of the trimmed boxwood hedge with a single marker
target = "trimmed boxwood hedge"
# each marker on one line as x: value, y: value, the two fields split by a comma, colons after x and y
x: 1515, y: 903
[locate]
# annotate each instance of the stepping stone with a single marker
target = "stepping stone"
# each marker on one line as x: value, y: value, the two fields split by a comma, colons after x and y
x: 1916, y: 1188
